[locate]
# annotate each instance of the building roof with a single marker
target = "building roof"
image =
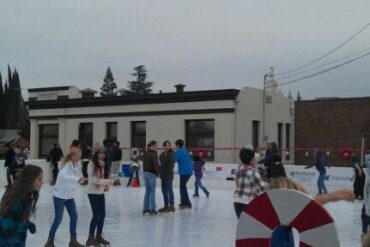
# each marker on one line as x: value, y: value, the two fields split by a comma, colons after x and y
x: 190, y: 96
x: 332, y: 99
x: 88, y: 90
x: 46, y: 89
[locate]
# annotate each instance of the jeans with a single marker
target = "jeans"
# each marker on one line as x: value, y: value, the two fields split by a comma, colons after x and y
x: 167, y: 192
x: 97, y: 203
x: 8, y: 176
x: 115, y: 169
x: 59, y: 205
x: 198, y: 183
x: 150, y: 185
x: 135, y: 172
x: 55, y: 171
x: 184, y: 197
x: 321, y: 184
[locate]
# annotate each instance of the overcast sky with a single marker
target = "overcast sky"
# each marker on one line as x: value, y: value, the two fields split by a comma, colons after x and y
x: 210, y: 44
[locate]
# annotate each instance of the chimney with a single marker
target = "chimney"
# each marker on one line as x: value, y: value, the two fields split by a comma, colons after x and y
x: 180, y: 88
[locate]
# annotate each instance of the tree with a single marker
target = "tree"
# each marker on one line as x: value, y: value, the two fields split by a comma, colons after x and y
x: 109, y: 87
x: 140, y: 86
x: 290, y: 95
x: 299, y: 98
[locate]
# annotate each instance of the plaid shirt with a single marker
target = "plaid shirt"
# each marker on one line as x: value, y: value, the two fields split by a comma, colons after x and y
x: 249, y: 184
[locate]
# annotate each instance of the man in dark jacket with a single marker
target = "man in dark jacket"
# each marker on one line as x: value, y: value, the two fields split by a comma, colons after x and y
x: 55, y: 155
x: 9, y: 159
x: 116, y: 162
x: 167, y: 164
x: 151, y: 171
x: 271, y: 151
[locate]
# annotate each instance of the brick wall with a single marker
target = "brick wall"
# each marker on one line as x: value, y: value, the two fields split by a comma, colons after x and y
x: 331, y: 123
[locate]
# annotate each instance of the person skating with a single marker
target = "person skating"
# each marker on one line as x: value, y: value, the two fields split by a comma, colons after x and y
x: 9, y: 159
x: 86, y: 155
x: 55, y: 155
x: 116, y: 162
x: 134, y: 166
x: 16, y: 168
x: 151, y: 171
x: 320, y: 164
x: 98, y: 182
x: 359, y: 177
x: 18, y: 205
x: 198, y: 166
x: 185, y: 170
x: 167, y: 164
x: 63, y: 196
x: 249, y: 182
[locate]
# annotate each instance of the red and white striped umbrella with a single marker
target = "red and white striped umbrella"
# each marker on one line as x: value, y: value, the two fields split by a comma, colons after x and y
x: 282, y: 207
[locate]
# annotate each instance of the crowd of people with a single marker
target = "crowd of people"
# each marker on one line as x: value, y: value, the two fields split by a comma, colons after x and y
x: 100, y: 169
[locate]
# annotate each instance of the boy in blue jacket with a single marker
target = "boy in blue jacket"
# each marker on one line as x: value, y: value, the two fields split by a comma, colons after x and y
x: 185, y: 170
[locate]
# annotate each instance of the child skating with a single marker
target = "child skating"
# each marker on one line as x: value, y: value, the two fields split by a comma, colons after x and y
x: 198, y: 166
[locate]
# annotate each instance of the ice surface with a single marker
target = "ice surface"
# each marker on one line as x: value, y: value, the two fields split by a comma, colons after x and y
x: 210, y: 223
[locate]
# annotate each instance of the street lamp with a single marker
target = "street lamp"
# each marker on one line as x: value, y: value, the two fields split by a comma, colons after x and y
x: 264, y: 108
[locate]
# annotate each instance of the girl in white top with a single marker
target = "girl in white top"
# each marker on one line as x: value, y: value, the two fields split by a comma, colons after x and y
x: 64, y: 192
x: 98, y: 183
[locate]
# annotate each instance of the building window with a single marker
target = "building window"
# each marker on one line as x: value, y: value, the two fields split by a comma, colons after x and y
x: 138, y: 134
x: 287, y: 141
x: 255, y: 134
x: 48, y: 135
x: 85, y: 133
x: 111, y: 130
x: 280, y: 135
x: 201, y: 134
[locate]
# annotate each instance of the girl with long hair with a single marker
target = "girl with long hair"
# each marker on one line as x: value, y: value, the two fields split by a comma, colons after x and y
x: 18, y: 205
x: 64, y: 190
x: 98, y: 184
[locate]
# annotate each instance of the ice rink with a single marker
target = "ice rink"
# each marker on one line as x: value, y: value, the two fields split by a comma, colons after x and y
x: 211, y: 222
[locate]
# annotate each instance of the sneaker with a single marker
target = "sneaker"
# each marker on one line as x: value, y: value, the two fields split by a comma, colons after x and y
x: 164, y: 210
x: 196, y: 196
x: 207, y: 195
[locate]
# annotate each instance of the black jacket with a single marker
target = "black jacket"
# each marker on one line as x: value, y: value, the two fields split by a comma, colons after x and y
x: 55, y: 155
x: 9, y: 157
x: 116, y: 154
x: 167, y: 164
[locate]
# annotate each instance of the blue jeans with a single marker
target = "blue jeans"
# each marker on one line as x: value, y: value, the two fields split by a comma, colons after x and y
x: 97, y: 203
x: 321, y: 184
x: 198, y: 183
x: 167, y: 192
x: 184, y: 196
x: 150, y: 185
x: 59, y: 205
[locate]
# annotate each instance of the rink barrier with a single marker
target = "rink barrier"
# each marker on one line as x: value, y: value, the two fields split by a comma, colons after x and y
x: 335, y: 176
x: 283, y: 217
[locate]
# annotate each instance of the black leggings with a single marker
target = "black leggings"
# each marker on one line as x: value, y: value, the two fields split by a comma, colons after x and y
x: 97, y: 203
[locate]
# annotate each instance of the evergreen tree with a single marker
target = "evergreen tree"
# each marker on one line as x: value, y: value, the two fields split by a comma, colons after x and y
x: 140, y: 86
x: 299, y: 98
x: 1, y: 87
x: 109, y: 87
x: 2, y: 104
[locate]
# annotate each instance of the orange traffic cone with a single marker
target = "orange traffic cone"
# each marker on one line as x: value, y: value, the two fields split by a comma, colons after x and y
x: 134, y: 183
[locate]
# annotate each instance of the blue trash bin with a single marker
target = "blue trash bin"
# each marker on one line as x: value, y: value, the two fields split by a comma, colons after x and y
x: 126, y: 170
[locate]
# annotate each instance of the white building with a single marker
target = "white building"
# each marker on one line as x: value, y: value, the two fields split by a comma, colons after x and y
x: 221, y: 120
